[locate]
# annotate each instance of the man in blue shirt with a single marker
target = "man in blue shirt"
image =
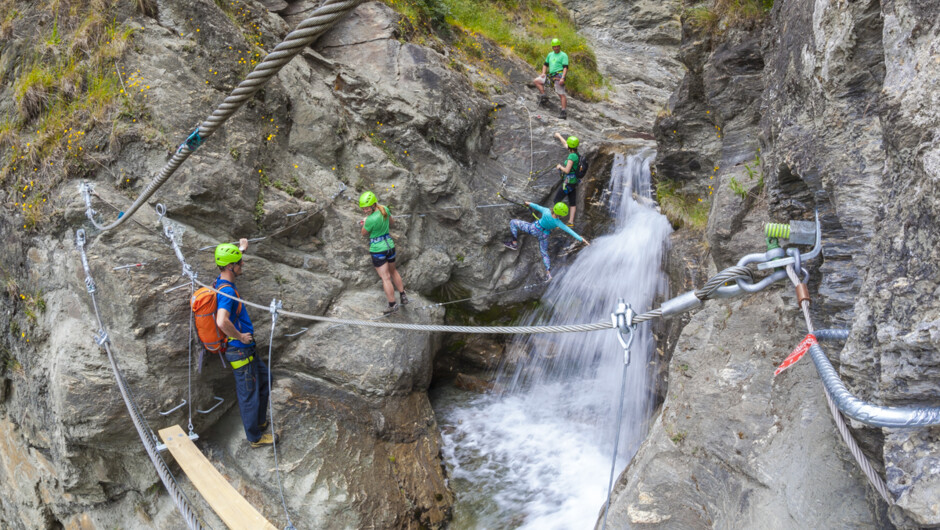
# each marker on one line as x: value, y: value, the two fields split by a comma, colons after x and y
x: 541, y: 228
x: 251, y: 374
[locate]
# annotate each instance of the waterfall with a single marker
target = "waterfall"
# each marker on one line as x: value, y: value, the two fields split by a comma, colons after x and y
x: 538, y: 454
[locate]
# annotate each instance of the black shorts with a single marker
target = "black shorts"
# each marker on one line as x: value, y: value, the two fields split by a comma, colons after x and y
x: 381, y: 258
x: 571, y: 193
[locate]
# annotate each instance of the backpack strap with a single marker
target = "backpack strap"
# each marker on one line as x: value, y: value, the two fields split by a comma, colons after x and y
x: 218, y: 287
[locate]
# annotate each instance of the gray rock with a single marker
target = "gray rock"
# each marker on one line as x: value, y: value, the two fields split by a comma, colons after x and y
x: 735, y: 446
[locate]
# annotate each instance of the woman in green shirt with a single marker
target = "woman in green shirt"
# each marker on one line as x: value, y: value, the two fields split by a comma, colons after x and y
x: 569, y: 179
x: 382, y: 248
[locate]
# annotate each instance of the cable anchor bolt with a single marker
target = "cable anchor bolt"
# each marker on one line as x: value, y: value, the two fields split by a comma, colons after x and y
x: 102, y: 338
x: 622, y: 320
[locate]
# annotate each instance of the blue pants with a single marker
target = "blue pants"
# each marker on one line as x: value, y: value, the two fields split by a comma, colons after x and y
x: 251, y: 387
x: 532, y: 228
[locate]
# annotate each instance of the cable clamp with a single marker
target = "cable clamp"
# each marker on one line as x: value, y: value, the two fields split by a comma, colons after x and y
x: 622, y: 320
x: 102, y: 338
x: 276, y: 306
x: 90, y: 285
x: 192, y: 142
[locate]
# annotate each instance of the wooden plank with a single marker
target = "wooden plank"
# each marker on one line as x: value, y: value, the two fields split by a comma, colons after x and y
x: 231, y: 507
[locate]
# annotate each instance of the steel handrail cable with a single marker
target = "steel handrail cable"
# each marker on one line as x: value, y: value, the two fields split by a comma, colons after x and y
x: 730, y: 274
x: 295, y: 41
x: 710, y: 288
x: 163, y: 471
x: 873, y: 477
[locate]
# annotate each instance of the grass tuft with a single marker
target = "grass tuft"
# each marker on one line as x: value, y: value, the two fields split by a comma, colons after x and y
x: 681, y: 209
x: 521, y: 27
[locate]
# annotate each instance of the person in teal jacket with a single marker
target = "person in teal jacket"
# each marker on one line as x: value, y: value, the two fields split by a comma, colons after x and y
x: 541, y: 229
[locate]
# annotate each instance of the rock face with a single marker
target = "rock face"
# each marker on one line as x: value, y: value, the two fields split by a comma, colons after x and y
x: 735, y: 447
x: 362, y: 109
x: 831, y: 108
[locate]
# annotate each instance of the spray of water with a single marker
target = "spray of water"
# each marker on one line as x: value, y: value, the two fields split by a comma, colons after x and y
x: 538, y: 455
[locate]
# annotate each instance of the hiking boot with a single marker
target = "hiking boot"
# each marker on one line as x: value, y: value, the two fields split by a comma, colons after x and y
x: 391, y: 309
x: 404, y: 299
x: 263, y: 426
x: 512, y: 245
x: 266, y: 439
x: 563, y: 115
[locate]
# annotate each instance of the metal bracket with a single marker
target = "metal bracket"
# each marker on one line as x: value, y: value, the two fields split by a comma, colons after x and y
x: 161, y: 211
x: 794, y: 253
x: 302, y: 330
x: 174, y: 409
x: 218, y: 399
x: 622, y: 319
x: 162, y: 447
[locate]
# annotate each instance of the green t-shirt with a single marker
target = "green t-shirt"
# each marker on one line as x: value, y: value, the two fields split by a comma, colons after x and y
x: 575, y: 159
x: 377, y: 226
x: 556, y: 62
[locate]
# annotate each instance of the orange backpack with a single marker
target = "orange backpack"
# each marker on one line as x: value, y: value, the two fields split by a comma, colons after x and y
x: 204, y: 305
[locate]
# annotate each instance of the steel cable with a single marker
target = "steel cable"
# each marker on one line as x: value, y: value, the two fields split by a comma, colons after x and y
x: 273, y: 308
x: 873, y: 477
x: 304, y: 35
x: 140, y: 424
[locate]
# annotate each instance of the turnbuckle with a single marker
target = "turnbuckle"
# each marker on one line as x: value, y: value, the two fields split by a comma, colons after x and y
x: 622, y: 319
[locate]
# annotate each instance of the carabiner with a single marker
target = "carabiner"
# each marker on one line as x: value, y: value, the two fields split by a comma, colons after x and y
x: 622, y: 319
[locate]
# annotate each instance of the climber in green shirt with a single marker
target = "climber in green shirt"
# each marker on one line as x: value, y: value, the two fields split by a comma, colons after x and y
x: 555, y: 69
x: 569, y: 175
x: 382, y: 248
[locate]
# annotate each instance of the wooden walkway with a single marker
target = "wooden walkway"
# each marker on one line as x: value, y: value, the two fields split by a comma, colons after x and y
x: 231, y: 507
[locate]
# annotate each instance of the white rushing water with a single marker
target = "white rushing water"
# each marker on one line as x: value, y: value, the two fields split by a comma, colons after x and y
x: 538, y: 455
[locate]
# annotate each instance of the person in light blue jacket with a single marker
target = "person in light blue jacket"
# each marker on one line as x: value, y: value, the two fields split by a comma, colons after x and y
x: 541, y: 229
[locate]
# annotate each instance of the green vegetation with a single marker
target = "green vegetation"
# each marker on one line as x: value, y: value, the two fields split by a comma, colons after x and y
x: 68, y: 81
x: 753, y: 173
x: 681, y: 209
x: 737, y: 188
x: 520, y: 27
x: 717, y: 16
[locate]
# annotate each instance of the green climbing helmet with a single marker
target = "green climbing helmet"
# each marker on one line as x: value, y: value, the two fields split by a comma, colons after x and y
x: 367, y: 199
x: 556, y: 42
x: 573, y: 142
x: 560, y: 209
x: 227, y: 253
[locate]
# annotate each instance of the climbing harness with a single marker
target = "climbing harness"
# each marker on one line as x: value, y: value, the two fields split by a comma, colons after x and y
x: 622, y: 320
x: 147, y: 436
x: 295, y: 42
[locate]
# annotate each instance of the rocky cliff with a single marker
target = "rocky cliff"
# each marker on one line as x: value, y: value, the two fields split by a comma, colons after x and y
x: 828, y: 107
x: 374, y: 104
